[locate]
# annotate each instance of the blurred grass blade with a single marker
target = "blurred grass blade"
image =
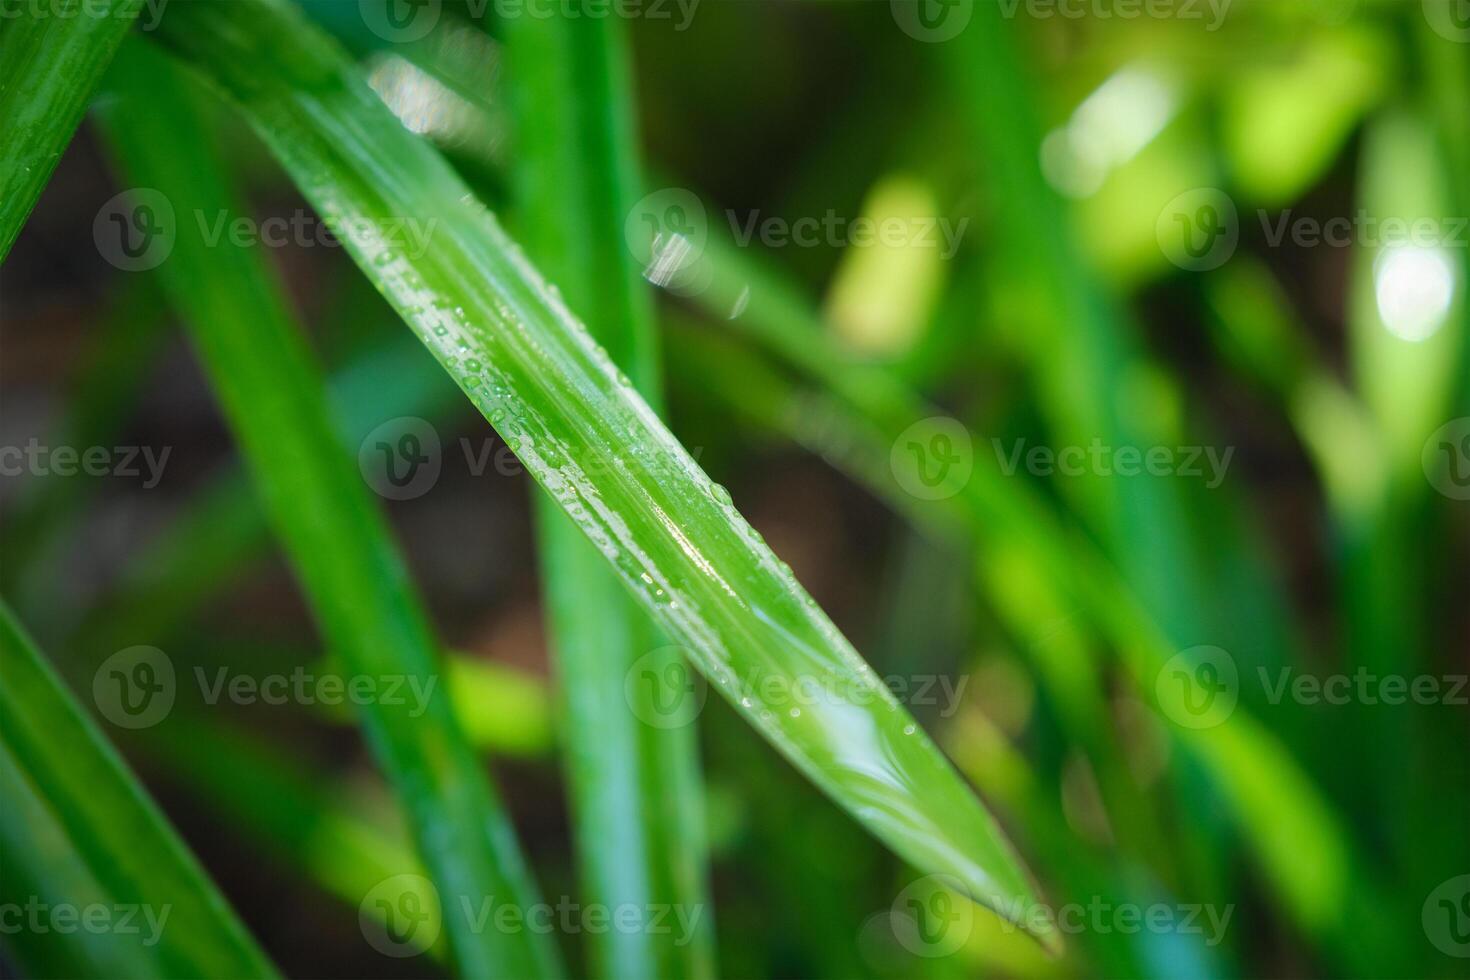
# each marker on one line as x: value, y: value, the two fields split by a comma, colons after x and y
x: 306, y: 824
x: 77, y: 830
x: 340, y: 548
x: 1095, y: 384
x: 673, y: 536
x: 47, y: 518
x: 221, y: 530
x: 635, y: 786
x: 51, y: 57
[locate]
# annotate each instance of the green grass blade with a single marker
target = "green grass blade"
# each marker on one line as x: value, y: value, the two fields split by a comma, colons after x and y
x: 50, y: 61
x: 635, y: 787
x: 336, y: 538
x: 77, y: 829
x: 675, y: 539
x: 1295, y: 835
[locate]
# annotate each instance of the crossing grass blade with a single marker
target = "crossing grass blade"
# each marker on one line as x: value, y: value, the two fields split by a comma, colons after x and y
x: 50, y: 61
x: 635, y: 786
x: 339, y: 545
x: 674, y: 538
x: 78, y: 830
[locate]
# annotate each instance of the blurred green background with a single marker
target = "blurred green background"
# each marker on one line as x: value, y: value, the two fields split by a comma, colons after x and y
x: 1178, y: 286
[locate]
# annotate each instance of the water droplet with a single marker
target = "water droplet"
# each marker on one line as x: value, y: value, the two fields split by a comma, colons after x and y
x: 908, y: 729
x: 721, y: 495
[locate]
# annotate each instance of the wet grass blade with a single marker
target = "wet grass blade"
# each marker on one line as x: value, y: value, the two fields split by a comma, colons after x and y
x: 1295, y: 835
x: 673, y: 537
x: 78, y: 829
x: 333, y: 533
x: 635, y: 786
x: 50, y: 61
